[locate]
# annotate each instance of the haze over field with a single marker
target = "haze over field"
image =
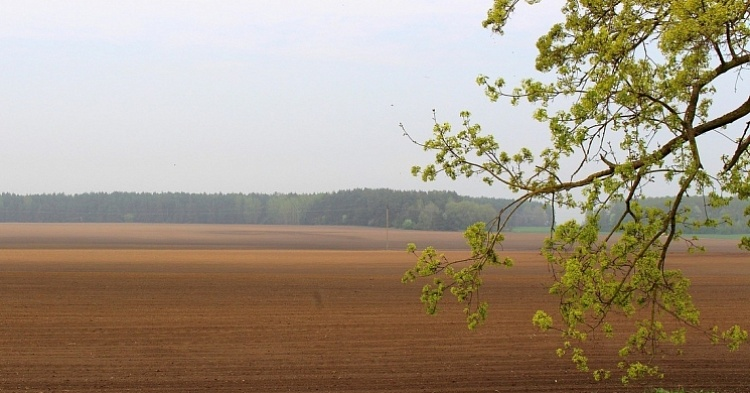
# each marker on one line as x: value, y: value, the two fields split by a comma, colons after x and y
x: 245, y: 96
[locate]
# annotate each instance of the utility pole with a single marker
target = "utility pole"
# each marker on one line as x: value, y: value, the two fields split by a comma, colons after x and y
x: 387, y: 225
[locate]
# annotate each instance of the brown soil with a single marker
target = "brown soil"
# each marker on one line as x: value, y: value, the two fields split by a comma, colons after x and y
x: 212, y: 308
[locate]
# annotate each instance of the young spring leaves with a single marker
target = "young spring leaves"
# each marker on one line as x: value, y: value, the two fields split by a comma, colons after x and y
x: 634, y: 85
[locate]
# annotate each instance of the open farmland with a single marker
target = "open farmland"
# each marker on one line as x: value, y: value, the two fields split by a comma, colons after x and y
x: 219, y: 308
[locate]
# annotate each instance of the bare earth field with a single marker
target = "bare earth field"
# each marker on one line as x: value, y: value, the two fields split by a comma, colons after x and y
x: 219, y: 308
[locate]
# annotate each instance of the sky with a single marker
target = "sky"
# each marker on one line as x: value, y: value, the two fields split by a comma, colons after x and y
x: 248, y: 96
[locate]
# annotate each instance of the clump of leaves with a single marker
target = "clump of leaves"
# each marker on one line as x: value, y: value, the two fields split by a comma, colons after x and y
x: 463, y: 275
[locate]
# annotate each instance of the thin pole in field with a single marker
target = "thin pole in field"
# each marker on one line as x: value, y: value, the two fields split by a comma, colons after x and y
x: 387, y: 225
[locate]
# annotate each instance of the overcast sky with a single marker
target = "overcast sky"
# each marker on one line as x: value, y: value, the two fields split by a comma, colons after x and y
x: 247, y: 96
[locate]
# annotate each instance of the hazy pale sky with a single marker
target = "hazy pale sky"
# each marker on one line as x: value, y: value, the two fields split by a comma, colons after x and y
x: 247, y: 96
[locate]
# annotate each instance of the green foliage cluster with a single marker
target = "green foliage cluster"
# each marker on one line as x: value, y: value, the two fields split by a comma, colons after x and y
x: 363, y: 207
x: 462, y: 283
x: 630, y: 106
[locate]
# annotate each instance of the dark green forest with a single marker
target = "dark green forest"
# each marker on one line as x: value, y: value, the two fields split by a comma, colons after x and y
x: 435, y: 210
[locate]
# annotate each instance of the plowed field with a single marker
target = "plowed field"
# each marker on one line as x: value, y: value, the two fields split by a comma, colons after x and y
x: 211, y: 308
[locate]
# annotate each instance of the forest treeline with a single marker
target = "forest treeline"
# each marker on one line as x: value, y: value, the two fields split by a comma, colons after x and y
x: 434, y: 210
x: 731, y: 219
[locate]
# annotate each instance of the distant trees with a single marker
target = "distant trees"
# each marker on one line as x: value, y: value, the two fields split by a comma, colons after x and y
x: 700, y: 216
x: 360, y: 207
x: 436, y: 210
x: 468, y: 212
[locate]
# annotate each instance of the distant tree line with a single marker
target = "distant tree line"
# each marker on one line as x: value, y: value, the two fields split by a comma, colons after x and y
x: 731, y: 219
x: 434, y: 210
